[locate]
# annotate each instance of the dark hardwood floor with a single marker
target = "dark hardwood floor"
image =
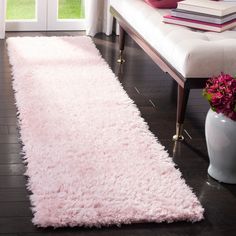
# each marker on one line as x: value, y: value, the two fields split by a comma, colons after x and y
x: 155, y: 94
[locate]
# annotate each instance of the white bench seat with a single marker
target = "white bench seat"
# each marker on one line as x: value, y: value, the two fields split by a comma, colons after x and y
x: 193, y: 53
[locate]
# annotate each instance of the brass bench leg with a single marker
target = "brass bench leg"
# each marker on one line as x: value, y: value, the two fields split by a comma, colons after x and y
x: 121, y: 59
x: 179, y: 132
x: 183, y: 94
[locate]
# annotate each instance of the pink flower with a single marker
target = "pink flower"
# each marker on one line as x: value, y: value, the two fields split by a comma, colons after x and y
x: 221, y: 93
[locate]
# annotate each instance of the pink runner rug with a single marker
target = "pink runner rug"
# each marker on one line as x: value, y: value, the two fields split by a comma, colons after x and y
x: 91, y: 159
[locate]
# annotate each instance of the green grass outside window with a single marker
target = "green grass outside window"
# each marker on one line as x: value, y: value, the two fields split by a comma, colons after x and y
x: 25, y: 9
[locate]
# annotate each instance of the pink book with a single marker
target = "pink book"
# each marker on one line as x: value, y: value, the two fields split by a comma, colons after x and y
x: 199, y: 24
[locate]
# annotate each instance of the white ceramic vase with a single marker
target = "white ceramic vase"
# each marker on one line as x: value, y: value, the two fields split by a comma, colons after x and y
x: 221, y: 146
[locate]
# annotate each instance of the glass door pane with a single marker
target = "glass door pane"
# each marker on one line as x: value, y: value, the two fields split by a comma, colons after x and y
x: 26, y: 15
x: 70, y: 9
x: 66, y: 15
x: 21, y: 10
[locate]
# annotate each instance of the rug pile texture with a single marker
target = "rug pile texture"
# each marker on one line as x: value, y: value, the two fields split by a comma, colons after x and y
x: 91, y: 159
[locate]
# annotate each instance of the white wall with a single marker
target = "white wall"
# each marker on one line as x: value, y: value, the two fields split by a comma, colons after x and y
x: 2, y: 18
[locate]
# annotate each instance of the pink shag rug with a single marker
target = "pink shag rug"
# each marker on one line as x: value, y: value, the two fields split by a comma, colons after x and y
x: 91, y: 159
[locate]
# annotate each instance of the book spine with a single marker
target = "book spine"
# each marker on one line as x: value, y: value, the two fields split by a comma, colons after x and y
x: 200, y: 18
x: 193, y: 25
x: 208, y: 11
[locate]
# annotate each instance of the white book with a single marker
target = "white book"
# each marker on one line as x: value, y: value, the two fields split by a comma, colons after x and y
x: 203, y: 17
x: 233, y: 1
x: 217, y: 8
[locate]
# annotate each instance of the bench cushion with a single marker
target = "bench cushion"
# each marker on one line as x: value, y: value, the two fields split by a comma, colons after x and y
x: 193, y: 53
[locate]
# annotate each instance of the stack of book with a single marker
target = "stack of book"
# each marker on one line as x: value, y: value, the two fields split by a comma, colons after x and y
x: 204, y: 15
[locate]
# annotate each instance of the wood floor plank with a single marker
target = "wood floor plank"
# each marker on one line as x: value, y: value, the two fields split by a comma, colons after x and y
x: 15, y: 209
x: 16, y: 225
x: 9, y: 138
x: 8, y: 120
x: 11, y: 148
x: 12, y: 169
x: 10, y: 158
x: 3, y: 129
x: 12, y: 182
x: 13, y: 129
x: 14, y: 195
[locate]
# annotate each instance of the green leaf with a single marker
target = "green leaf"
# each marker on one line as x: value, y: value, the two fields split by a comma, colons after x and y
x: 207, y: 96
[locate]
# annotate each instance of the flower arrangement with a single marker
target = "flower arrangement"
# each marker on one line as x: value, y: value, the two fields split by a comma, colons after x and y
x: 220, y: 91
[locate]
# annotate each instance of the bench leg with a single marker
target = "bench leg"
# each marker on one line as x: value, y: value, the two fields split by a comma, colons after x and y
x: 183, y: 94
x: 121, y: 45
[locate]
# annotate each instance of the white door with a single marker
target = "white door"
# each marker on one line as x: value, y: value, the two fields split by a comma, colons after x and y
x: 41, y: 15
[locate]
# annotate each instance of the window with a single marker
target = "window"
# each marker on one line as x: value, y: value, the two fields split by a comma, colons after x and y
x: 32, y: 15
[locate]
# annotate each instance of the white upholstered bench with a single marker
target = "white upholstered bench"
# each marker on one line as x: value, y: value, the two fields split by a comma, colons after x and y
x: 189, y: 56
